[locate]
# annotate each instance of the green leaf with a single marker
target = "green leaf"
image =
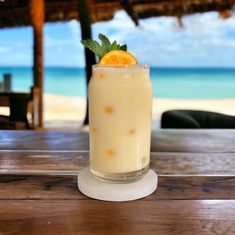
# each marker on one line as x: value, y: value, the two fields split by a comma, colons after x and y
x: 94, y: 46
x: 123, y: 47
x: 106, y: 44
x: 104, y: 39
x: 114, y: 46
x: 101, y: 49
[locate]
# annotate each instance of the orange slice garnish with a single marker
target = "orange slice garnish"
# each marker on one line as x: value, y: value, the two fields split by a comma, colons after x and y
x: 118, y: 57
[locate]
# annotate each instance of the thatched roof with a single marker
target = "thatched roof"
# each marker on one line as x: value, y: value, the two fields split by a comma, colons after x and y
x: 15, y: 13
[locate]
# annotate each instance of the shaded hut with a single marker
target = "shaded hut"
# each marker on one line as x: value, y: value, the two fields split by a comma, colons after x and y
x: 17, y: 13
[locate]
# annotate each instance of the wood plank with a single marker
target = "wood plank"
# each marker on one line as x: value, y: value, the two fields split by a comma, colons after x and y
x: 162, y: 140
x: 36, y: 187
x: 137, y: 217
x: 193, y: 163
x: 195, y: 187
x: 193, y: 141
x: 46, y: 162
x: 71, y: 162
x: 43, y: 140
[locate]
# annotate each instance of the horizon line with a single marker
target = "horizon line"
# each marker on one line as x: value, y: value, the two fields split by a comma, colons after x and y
x: 159, y: 67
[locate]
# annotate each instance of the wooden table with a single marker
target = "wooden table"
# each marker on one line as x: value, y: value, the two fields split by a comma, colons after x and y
x: 195, y: 195
x: 6, y: 96
x: 18, y: 106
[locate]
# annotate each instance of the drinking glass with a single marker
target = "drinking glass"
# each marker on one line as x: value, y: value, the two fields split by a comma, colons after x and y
x: 120, y: 111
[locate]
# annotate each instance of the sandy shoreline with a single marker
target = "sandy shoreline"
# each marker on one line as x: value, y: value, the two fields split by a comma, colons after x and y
x: 68, y: 112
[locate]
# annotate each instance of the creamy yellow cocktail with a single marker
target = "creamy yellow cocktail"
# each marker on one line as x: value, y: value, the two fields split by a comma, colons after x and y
x: 120, y: 107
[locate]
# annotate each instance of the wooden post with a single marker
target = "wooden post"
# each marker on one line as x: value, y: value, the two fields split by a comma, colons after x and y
x: 85, y: 22
x: 37, y: 13
x: 7, y: 82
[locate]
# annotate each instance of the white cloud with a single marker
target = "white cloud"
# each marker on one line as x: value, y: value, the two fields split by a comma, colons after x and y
x: 55, y: 42
x: 74, y: 27
x: 204, y: 40
x: 4, y: 49
x: 62, y: 45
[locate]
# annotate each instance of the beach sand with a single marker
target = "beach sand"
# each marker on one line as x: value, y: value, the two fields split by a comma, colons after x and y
x: 61, y: 112
x: 68, y: 112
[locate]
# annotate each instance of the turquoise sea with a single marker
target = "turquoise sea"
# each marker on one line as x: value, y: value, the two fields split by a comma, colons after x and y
x: 178, y: 83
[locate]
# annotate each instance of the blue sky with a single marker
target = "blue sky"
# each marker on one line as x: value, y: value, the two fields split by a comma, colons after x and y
x: 205, y: 41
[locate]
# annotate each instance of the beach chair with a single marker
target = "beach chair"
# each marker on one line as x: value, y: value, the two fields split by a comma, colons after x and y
x: 193, y: 119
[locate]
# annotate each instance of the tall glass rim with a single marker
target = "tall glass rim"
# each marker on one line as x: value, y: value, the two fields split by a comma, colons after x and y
x: 124, y: 66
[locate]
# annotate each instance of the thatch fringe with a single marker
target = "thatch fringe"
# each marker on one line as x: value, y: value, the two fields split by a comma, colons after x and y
x: 15, y: 12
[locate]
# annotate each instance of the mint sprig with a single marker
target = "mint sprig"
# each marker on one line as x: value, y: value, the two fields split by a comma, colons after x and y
x: 101, y: 49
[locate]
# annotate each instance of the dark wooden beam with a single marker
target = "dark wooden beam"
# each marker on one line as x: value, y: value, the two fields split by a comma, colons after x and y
x: 85, y: 21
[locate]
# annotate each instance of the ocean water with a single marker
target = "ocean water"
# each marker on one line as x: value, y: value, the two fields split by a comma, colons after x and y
x: 177, y: 83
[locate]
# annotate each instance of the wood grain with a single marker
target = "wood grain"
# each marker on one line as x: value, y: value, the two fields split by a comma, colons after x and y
x: 193, y: 141
x: 43, y: 140
x: 137, y: 217
x: 162, y: 140
x: 15, y: 187
x: 39, y: 195
x: 71, y: 162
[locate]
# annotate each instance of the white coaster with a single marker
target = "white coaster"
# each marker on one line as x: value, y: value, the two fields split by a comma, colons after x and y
x: 97, y: 189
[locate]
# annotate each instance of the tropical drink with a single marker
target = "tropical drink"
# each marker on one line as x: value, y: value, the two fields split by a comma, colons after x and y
x: 120, y: 107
